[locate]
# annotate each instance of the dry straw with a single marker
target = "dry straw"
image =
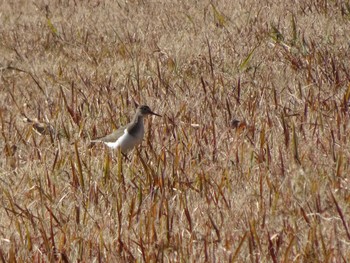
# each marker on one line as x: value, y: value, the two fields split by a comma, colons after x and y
x: 250, y: 162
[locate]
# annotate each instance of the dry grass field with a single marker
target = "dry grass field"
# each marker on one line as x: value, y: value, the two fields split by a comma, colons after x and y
x: 202, y: 187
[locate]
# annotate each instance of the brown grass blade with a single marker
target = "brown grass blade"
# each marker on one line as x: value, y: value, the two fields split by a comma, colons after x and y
x: 238, y: 249
x: 341, y: 214
x: 80, y: 169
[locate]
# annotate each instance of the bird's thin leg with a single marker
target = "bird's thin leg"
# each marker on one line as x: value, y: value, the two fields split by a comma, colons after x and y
x: 126, y: 157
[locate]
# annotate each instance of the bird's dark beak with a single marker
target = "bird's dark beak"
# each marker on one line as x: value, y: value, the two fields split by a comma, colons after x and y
x: 153, y: 113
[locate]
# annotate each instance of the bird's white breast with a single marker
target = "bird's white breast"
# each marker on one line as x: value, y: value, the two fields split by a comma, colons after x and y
x: 126, y: 142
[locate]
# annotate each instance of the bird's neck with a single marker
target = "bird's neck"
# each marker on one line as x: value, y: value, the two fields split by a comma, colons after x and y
x: 138, y: 119
x: 136, y: 127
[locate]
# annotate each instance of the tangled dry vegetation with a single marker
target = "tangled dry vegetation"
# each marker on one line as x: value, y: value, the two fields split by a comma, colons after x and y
x: 249, y: 163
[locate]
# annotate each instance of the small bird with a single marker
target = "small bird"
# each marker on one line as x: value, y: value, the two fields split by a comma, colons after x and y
x: 130, y: 135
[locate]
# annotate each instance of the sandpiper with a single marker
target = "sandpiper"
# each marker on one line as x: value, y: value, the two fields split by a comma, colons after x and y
x: 130, y: 135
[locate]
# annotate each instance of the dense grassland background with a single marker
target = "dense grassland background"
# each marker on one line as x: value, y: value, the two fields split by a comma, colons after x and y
x: 273, y: 188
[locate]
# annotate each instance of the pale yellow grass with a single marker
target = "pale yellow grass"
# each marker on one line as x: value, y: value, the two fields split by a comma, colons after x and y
x: 274, y: 189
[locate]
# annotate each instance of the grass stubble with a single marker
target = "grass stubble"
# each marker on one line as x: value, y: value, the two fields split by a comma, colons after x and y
x: 273, y: 187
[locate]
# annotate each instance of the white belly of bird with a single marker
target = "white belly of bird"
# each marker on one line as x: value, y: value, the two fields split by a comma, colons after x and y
x: 126, y: 142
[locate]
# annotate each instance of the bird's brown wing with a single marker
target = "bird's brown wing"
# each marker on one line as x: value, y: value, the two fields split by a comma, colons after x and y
x: 113, y: 137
